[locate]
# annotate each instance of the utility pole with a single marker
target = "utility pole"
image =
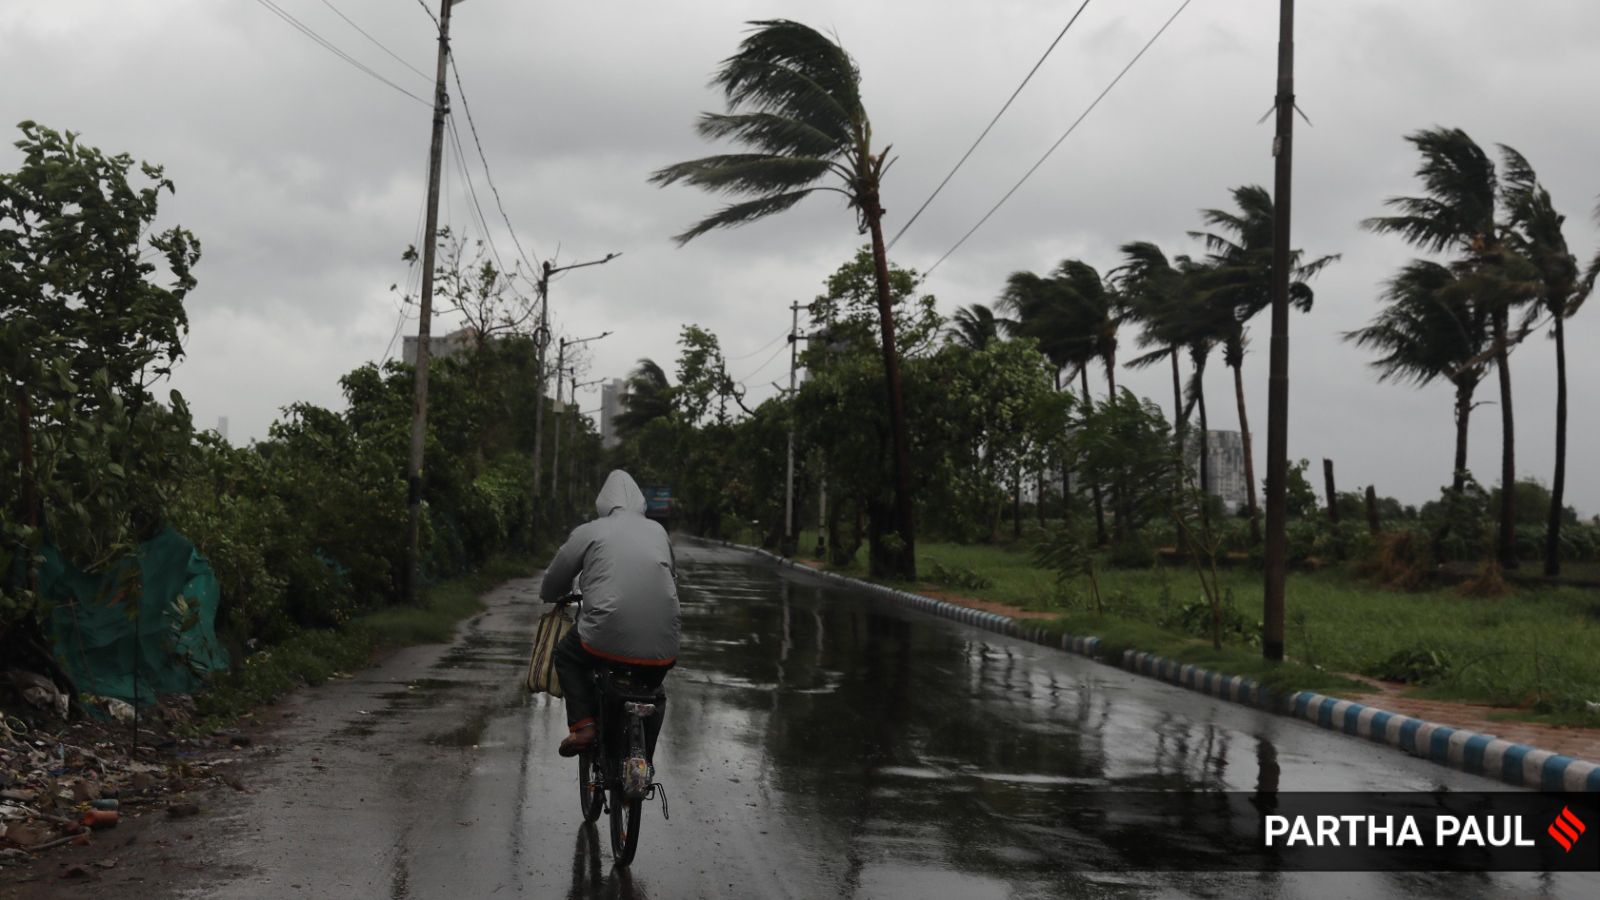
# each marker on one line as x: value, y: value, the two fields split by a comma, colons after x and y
x: 419, y: 403
x: 1277, y: 549
x: 790, y: 541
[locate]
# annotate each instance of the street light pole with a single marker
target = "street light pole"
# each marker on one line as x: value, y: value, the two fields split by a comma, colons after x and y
x: 572, y: 465
x: 542, y: 341
x: 790, y: 541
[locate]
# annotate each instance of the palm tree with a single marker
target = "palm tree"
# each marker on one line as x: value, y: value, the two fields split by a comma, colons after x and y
x: 1058, y: 311
x: 1160, y: 296
x: 1459, y: 211
x: 976, y: 327
x: 1560, y: 288
x: 1428, y: 329
x: 1238, y: 286
x: 647, y: 397
x: 794, y: 100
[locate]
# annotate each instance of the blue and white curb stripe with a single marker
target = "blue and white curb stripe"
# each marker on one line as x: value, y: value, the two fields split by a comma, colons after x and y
x: 1470, y: 751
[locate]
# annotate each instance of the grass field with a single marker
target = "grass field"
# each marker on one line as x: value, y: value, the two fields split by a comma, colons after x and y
x: 1534, y: 650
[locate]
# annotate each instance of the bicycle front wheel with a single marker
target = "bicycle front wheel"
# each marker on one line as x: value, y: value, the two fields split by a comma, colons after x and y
x: 625, y: 822
x: 591, y: 789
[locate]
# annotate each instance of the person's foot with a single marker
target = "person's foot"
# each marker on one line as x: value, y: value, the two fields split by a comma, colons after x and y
x: 577, y: 742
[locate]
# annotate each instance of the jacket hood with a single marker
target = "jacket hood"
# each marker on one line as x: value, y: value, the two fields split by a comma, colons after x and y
x: 619, y: 492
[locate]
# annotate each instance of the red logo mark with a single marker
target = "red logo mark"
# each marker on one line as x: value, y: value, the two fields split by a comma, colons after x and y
x: 1566, y: 828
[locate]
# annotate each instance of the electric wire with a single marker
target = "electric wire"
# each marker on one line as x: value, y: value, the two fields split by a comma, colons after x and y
x: 472, y: 194
x: 761, y: 367
x: 758, y: 349
x: 329, y: 46
x: 377, y: 43
x: 985, y: 133
x: 1064, y: 136
x: 461, y: 93
x: 429, y: 11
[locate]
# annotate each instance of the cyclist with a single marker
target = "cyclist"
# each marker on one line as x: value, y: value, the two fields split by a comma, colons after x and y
x: 625, y: 570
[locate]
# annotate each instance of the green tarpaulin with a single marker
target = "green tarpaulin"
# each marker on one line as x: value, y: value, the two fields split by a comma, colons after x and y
x: 154, y: 616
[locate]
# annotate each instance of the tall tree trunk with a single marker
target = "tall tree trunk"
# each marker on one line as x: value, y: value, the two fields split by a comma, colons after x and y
x: 1249, y: 457
x: 1066, y: 475
x: 1177, y: 432
x: 1110, y: 360
x: 1016, y: 503
x: 1205, y: 444
x: 1552, y: 535
x: 1508, y: 447
x: 1038, y: 505
x: 1458, y: 478
x: 1099, y: 504
x: 903, y: 562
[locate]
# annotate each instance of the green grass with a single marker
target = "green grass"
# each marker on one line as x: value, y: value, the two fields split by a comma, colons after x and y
x: 315, y: 655
x: 1532, y: 650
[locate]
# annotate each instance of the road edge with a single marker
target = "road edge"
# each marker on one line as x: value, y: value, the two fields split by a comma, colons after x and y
x: 1473, y: 752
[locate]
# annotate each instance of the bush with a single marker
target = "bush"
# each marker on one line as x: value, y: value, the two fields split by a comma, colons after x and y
x: 1416, y: 665
x: 958, y: 577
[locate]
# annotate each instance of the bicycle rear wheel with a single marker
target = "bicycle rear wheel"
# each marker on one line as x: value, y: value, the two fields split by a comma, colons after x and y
x: 591, y: 789
x: 625, y: 823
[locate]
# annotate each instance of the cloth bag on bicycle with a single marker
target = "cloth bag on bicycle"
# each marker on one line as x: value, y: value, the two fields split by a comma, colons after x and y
x: 553, y: 626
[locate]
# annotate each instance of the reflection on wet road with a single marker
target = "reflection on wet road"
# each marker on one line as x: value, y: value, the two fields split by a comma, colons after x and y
x: 820, y: 744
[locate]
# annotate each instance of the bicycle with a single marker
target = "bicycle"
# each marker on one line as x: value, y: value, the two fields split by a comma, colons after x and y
x: 615, y: 774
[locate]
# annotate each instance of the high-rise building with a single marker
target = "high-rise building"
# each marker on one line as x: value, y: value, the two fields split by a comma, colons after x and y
x: 612, y: 396
x: 222, y: 427
x: 439, y: 347
x: 1225, y: 466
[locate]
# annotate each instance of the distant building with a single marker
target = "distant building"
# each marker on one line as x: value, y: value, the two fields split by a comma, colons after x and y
x: 1225, y: 469
x: 613, y: 395
x: 222, y: 427
x: 452, y: 344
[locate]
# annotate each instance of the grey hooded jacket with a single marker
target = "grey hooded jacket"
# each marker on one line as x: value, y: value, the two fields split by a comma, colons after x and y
x: 625, y: 569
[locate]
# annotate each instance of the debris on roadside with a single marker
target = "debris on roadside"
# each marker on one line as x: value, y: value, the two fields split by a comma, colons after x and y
x: 63, y: 781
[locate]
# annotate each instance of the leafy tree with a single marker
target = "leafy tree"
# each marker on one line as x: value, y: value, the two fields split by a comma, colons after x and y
x: 975, y: 327
x: 794, y: 99
x: 648, y: 396
x: 702, y: 376
x: 91, y: 316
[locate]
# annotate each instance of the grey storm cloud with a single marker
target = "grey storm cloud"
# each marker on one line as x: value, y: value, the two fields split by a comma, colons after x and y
x: 304, y: 178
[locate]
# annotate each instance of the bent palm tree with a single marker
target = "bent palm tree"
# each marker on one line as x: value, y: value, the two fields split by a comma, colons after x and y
x: 1429, y: 329
x: 975, y: 327
x: 1238, y: 286
x: 794, y: 99
x: 1459, y: 211
x: 648, y: 396
x: 1560, y: 288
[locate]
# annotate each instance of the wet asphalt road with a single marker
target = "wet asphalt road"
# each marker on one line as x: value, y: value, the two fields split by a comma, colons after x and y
x: 819, y: 744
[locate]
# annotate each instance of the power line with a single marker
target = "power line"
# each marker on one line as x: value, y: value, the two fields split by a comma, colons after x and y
x: 1064, y: 136
x: 757, y: 350
x: 1029, y: 77
x: 328, y: 45
x: 472, y: 194
x: 429, y: 11
x: 472, y: 126
x: 759, y: 368
x: 375, y: 41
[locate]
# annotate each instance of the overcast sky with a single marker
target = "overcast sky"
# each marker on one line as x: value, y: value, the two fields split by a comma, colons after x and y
x: 304, y: 177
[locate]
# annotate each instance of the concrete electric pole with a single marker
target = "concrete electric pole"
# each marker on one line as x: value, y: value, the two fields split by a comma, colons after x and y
x: 419, y: 403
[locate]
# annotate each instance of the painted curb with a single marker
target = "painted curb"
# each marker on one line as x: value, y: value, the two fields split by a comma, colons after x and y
x: 1469, y: 751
